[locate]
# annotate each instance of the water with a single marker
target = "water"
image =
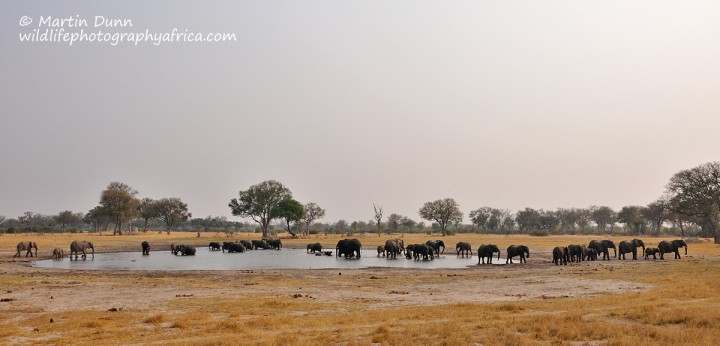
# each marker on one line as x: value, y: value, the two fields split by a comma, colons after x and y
x: 257, y: 259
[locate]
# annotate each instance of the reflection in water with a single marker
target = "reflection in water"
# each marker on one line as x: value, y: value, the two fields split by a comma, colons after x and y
x: 257, y: 259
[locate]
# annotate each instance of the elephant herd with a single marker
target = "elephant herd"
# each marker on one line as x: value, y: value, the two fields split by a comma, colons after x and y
x: 578, y: 253
x: 230, y: 247
x: 76, y: 247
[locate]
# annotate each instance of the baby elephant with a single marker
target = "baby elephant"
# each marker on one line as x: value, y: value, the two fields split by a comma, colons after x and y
x: 145, y: 247
x: 58, y: 253
x: 651, y: 251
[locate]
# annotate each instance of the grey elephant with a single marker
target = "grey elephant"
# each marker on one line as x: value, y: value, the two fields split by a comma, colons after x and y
x: 590, y: 254
x: 408, y: 251
x: 81, y: 246
x: 26, y: 246
x: 651, y: 251
x: 313, y: 248
x: 672, y: 246
x: 603, y: 247
x: 184, y: 250
x: 630, y: 246
x: 348, y: 248
x: 58, y: 253
x: 436, y: 245
x: 214, y: 246
x: 575, y: 253
x: 233, y: 247
x: 274, y: 244
x: 517, y: 250
x: 381, y: 251
x: 422, y: 252
x: 145, y: 247
x: 247, y: 244
x: 463, y: 249
x: 259, y: 244
x: 560, y: 255
x: 393, y: 247
x: 486, y: 251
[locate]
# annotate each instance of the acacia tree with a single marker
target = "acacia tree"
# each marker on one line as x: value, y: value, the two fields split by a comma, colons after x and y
x: 257, y: 201
x: 290, y: 210
x: 695, y: 193
x: 656, y: 213
x: 67, y: 218
x: 631, y: 217
x: 172, y: 211
x: 119, y: 203
x: 442, y: 211
x: 147, y: 210
x: 312, y: 212
x: 603, y: 216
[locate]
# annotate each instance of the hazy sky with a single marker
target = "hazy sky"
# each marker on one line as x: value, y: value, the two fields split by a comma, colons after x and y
x: 508, y: 104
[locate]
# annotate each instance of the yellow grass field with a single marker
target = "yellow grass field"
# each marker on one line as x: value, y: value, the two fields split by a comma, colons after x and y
x: 603, y: 302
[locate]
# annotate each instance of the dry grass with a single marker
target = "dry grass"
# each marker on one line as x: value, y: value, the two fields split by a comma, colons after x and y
x: 681, y: 304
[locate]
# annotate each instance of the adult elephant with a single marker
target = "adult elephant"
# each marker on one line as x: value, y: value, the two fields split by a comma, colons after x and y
x: 672, y: 246
x: 247, y: 244
x: 26, y: 246
x: 560, y: 255
x: 408, y: 251
x: 348, y: 248
x: 81, y: 246
x: 274, y: 244
x: 145, y: 247
x: 463, y: 249
x: 603, y: 247
x: 214, y: 246
x: 393, y: 247
x: 436, y: 245
x: 235, y: 247
x: 517, y: 250
x: 575, y: 253
x: 260, y: 244
x: 422, y: 252
x: 630, y: 246
x: 381, y: 251
x: 313, y: 248
x: 487, y: 251
x: 185, y: 250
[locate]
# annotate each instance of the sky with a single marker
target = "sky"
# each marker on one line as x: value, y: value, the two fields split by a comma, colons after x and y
x: 508, y: 104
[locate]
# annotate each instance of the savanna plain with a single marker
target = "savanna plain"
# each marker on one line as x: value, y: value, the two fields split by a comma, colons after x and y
x: 642, y: 302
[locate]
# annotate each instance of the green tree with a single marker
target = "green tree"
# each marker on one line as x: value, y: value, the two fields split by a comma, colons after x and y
x: 443, y: 211
x: 603, y: 216
x: 148, y: 210
x: 172, y: 211
x: 119, y: 202
x: 98, y: 218
x: 656, y: 213
x: 695, y: 193
x: 393, y: 222
x: 290, y: 210
x: 67, y: 218
x: 257, y: 202
x: 480, y: 217
x: 528, y: 219
x: 631, y: 217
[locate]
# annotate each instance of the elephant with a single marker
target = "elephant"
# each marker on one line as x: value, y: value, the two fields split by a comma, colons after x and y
x: 408, y: 251
x: 393, y: 247
x: 575, y: 252
x: 172, y: 248
x: 247, y: 244
x: 463, y: 249
x: 348, y: 247
x: 603, y: 247
x: 214, y: 246
x: 519, y: 250
x: 590, y: 253
x: 26, y: 246
x: 436, y: 245
x: 381, y: 251
x: 651, y: 251
x: 185, y: 250
x: 58, y: 253
x: 560, y: 255
x: 260, y: 244
x: 423, y: 251
x: 233, y: 247
x: 317, y: 247
x: 672, y: 246
x: 145, y: 248
x: 628, y: 246
x: 274, y: 244
x: 81, y: 246
x: 487, y: 251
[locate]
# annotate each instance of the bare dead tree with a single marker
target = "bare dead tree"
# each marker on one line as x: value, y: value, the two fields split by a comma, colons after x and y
x: 378, y: 217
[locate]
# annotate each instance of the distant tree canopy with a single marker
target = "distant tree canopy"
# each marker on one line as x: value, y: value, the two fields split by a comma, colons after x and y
x: 172, y: 211
x: 120, y: 205
x: 443, y: 211
x: 257, y: 201
x: 695, y: 194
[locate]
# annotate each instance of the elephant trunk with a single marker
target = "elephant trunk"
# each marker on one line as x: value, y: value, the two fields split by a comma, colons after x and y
x: 498, y: 255
x: 614, y: 251
x: 685, y: 250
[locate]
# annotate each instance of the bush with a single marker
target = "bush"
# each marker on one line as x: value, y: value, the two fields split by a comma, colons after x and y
x: 539, y: 233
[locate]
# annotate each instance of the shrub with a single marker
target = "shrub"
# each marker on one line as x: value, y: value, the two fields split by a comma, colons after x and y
x: 539, y: 233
